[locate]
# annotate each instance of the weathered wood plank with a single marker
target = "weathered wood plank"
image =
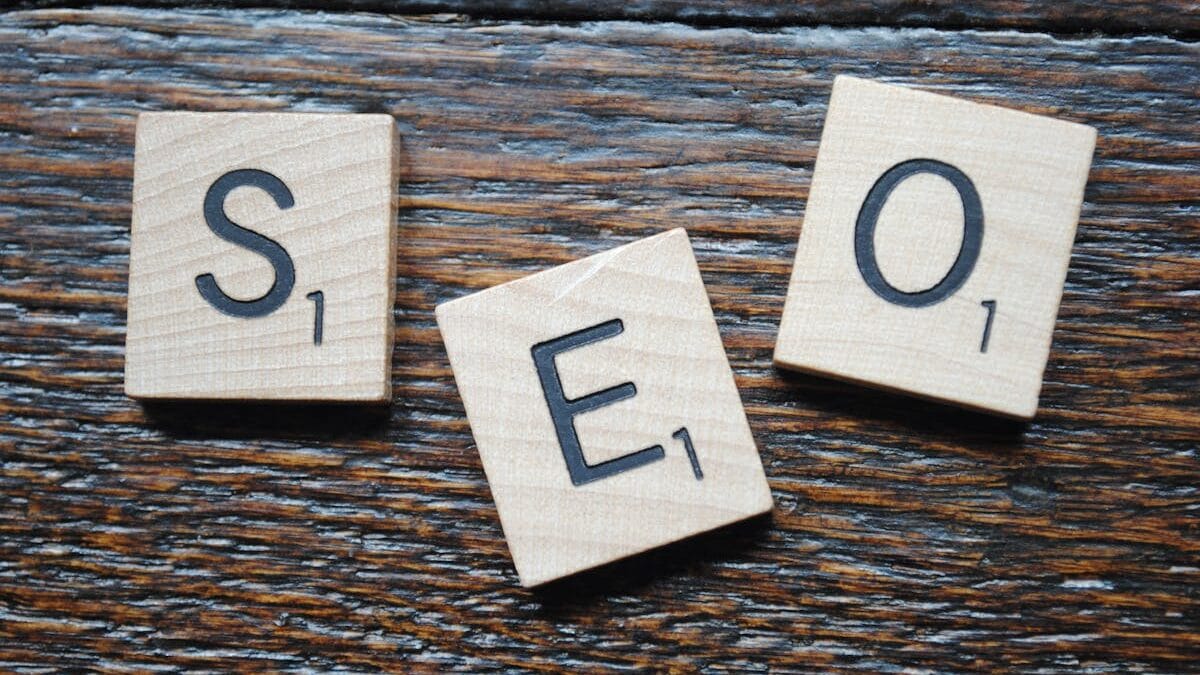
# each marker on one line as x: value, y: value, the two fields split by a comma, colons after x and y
x: 1179, y: 18
x: 905, y: 534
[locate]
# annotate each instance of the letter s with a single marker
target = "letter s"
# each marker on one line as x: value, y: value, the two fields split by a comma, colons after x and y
x: 223, y: 227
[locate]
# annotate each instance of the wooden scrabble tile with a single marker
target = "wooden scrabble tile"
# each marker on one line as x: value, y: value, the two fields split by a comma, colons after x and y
x: 262, y: 257
x: 935, y: 246
x: 604, y: 408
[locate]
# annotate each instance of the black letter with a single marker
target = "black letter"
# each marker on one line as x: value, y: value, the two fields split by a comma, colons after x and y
x: 868, y: 217
x: 564, y: 410
x: 219, y: 223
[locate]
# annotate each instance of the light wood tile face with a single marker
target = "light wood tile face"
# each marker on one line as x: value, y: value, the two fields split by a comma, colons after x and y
x: 585, y: 386
x: 262, y: 257
x: 935, y: 246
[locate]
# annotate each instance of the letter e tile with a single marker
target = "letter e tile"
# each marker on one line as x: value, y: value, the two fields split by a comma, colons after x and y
x: 604, y: 408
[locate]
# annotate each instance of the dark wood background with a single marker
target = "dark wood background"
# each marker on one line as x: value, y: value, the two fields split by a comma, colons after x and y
x: 906, y: 535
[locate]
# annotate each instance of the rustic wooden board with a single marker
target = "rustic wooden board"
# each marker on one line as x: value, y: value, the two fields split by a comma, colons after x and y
x: 1179, y: 18
x: 905, y: 534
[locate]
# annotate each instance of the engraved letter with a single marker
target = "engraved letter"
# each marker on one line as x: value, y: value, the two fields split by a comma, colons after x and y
x: 219, y: 223
x: 564, y: 410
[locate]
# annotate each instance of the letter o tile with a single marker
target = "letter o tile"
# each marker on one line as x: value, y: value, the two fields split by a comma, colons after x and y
x: 979, y: 334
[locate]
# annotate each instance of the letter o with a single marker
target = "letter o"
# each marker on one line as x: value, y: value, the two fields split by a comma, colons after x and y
x: 868, y: 218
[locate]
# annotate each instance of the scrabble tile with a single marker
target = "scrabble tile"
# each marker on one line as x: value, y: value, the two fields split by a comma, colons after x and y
x: 262, y: 257
x: 935, y: 246
x: 604, y: 408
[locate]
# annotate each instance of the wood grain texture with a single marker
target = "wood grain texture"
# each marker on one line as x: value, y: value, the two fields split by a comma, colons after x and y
x: 905, y: 535
x: 1179, y: 18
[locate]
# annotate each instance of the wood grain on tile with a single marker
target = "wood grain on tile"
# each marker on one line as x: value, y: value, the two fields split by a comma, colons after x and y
x: 262, y: 257
x: 603, y: 407
x: 935, y: 246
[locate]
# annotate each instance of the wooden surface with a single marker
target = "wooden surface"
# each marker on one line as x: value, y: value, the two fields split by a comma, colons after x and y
x: 302, y: 310
x: 905, y: 535
x: 1179, y: 18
